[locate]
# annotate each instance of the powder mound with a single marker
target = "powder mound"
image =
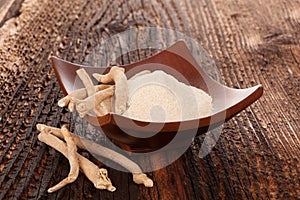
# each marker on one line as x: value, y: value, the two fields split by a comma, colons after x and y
x: 159, y: 97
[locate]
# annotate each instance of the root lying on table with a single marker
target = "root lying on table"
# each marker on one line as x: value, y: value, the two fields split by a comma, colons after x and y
x: 97, y: 176
x: 73, y: 161
x: 50, y: 136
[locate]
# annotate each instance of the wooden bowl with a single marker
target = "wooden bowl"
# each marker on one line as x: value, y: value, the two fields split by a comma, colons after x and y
x: 140, y: 136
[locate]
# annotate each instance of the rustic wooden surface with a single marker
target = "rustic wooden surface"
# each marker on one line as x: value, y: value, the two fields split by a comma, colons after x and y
x: 257, y: 155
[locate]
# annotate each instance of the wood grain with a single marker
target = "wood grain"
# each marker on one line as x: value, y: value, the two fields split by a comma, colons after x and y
x: 257, y: 155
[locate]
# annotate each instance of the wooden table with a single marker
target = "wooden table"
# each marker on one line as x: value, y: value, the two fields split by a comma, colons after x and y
x: 252, y: 42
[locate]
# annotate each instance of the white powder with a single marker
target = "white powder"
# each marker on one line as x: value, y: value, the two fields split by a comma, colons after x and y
x: 159, y: 97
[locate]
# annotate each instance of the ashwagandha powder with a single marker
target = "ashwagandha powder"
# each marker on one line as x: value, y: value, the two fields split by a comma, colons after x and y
x: 159, y: 97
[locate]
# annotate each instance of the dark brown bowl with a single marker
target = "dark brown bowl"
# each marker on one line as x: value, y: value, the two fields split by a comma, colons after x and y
x: 175, y: 60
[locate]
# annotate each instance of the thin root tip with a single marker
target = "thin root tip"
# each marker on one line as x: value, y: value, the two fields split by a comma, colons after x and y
x: 65, y: 126
x: 97, y: 76
x: 148, y: 183
x: 61, y: 103
x: 40, y: 127
x: 50, y: 190
x: 111, y: 189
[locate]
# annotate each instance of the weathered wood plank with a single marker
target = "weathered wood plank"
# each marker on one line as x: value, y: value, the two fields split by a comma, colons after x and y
x: 257, y: 155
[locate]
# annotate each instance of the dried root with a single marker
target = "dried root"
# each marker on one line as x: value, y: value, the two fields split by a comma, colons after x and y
x: 91, y: 97
x: 73, y: 160
x: 138, y: 176
x: 79, y: 94
x: 87, y: 82
x: 99, y: 102
x: 97, y: 99
x: 97, y: 176
x: 117, y: 75
x: 142, y: 178
x: 93, y: 102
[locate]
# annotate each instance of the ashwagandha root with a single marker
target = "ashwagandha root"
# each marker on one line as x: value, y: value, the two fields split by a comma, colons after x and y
x: 73, y: 161
x: 97, y: 99
x: 81, y: 99
x: 93, y: 102
x: 99, y: 102
x: 138, y: 176
x: 105, y: 107
x: 117, y: 75
x: 101, y: 107
x: 97, y: 176
x: 87, y: 81
x: 141, y: 178
x: 79, y: 94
